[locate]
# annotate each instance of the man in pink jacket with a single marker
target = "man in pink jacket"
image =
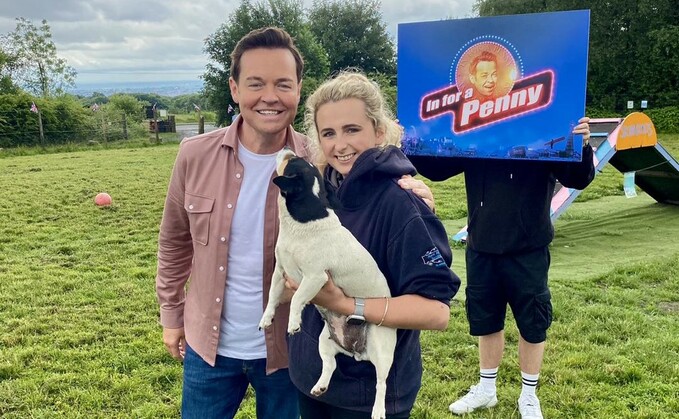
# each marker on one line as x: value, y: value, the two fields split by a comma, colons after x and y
x: 217, y: 238
x: 219, y: 229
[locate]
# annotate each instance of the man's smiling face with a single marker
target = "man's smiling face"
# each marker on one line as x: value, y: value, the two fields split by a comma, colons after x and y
x: 267, y: 91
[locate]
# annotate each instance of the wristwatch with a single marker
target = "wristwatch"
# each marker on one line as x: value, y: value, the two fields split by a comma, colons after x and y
x: 357, y: 318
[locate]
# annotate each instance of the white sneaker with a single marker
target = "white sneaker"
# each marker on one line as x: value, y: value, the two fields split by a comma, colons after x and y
x: 475, y: 399
x: 529, y: 407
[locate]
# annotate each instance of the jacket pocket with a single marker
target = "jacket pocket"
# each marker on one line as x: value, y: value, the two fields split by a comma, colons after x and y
x: 199, y: 210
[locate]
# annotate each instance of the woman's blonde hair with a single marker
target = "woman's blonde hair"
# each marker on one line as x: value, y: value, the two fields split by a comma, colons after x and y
x: 350, y: 84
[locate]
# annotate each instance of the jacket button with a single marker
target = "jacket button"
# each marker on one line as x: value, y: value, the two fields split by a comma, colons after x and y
x: 221, y: 268
x: 237, y: 175
x: 214, y: 328
x: 222, y: 238
x: 229, y: 206
x: 190, y: 206
x: 219, y: 300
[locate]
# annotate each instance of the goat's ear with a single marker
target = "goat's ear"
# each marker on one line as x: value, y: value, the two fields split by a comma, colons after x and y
x: 287, y: 183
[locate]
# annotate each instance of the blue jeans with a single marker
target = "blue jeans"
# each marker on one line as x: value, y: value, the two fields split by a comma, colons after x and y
x: 217, y: 392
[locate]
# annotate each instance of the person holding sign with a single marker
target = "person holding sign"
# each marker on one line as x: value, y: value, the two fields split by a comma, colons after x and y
x: 507, y: 258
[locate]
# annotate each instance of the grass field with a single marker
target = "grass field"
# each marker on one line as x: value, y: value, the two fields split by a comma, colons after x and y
x: 78, y: 317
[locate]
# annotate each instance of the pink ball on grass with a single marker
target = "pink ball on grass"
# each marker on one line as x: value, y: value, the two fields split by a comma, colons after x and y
x: 103, y: 199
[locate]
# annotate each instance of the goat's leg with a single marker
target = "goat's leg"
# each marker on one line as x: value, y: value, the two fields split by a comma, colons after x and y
x: 307, y: 290
x: 327, y: 349
x: 275, y: 293
x: 380, y: 348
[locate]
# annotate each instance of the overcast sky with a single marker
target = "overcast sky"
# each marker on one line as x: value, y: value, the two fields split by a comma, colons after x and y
x: 144, y: 40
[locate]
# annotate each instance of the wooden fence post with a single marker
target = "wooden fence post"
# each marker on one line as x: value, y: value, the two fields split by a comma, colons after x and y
x: 155, y: 122
x: 42, y: 134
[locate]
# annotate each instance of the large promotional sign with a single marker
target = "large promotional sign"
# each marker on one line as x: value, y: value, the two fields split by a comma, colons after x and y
x: 507, y: 87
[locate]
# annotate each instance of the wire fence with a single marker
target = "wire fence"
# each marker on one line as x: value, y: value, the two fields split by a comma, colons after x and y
x: 34, y: 129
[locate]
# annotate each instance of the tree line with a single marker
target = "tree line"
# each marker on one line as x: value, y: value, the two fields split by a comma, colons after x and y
x: 633, y: 55
x: 633, y: 50
x: 331, y: 35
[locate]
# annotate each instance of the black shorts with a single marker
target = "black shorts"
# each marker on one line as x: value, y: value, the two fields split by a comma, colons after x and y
x: 520, y: 280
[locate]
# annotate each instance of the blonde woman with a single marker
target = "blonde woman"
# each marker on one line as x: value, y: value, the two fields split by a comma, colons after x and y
x: 355, y: 140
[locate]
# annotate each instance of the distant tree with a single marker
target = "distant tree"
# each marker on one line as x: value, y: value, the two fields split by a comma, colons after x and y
x: 509, y: 7
x: 36, y: 66
x: 18, y: 125
x: 286, y: 14
x: 664, y: 60
x: 161, y: 102
x: 64, y: 120
x: 387, y: 83
x: 634, y: 47
x: 184, y: 103
x: 133, y: 108
x: 96, y: 97
x: 354, y: 35
x: 6, y: 85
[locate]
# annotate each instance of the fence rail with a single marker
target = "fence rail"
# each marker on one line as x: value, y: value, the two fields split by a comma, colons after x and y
x: 24, y: 132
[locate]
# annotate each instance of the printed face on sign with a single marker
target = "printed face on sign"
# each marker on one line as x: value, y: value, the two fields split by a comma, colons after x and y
x: 483, y: 76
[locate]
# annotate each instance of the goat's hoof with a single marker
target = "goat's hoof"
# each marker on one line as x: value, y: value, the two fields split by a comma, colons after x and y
x: 318, y: 391
x: 293, y: 331
x: 378, y: 414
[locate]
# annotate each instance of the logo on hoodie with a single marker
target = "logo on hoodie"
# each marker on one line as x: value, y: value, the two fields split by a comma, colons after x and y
x: 433, y: 258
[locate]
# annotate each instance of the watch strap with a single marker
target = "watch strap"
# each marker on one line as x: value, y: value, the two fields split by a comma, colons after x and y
x: 359, y: 306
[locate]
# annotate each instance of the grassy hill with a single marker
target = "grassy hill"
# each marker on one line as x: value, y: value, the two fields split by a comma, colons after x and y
x: 78, y: 313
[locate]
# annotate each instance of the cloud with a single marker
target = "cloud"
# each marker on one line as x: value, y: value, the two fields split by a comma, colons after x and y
x: 126, y: 39
x: 399, y: 11
x: 145, y: 40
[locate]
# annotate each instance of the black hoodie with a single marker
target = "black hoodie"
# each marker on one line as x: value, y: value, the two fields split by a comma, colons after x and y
x: 411, y: 248
x: 508, y: 201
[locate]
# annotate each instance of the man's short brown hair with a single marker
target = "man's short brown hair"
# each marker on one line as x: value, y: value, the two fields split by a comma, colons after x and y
x: 271, y: 38
x: 484, y: 56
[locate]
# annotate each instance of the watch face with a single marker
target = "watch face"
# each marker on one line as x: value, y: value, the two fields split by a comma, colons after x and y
x: 355, y: 320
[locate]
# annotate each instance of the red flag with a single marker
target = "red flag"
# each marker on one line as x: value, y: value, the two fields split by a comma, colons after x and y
x: 34, y: 108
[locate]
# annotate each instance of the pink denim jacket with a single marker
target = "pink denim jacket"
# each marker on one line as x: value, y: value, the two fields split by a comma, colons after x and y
x: 194, y: 241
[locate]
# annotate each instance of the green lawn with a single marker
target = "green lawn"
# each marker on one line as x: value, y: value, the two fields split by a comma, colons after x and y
x: 78, y: 317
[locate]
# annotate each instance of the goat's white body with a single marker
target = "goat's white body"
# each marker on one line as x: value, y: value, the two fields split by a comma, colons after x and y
x: 305, y: 252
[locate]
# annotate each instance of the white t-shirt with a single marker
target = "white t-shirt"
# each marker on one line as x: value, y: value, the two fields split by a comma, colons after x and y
x: 240, y: 336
